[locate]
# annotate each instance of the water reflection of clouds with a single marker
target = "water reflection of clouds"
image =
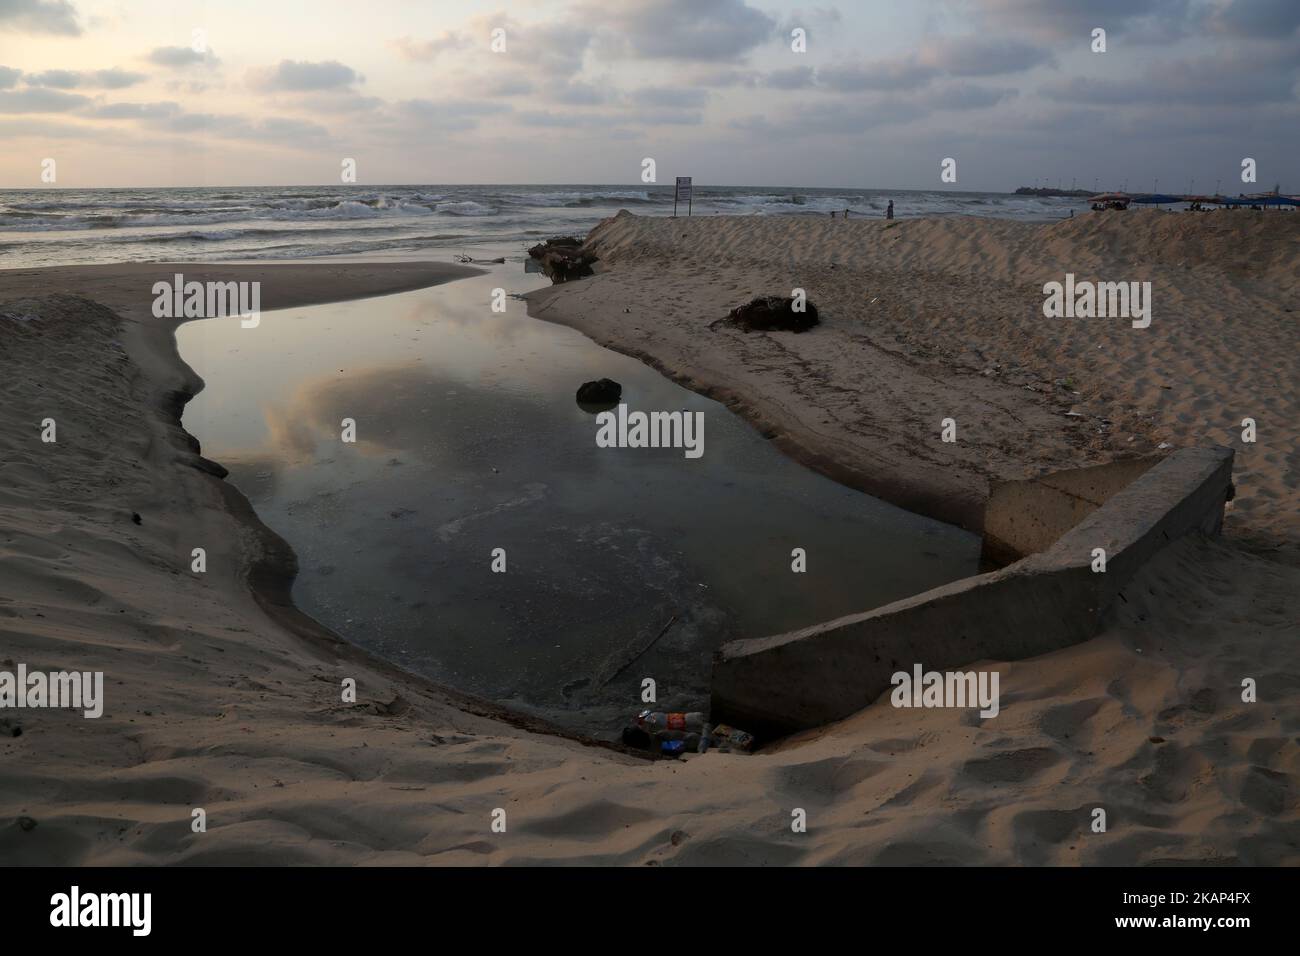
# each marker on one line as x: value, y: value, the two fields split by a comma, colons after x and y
x: 471, y: 310
x: 478, y: 408
x: 409, y: 409
x: 381, y: 400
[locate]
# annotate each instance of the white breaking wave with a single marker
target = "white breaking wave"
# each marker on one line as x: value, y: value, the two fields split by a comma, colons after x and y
x: 465, y: 208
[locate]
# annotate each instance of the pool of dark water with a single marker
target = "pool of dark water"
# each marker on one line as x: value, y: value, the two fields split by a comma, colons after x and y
x: 620, y: 564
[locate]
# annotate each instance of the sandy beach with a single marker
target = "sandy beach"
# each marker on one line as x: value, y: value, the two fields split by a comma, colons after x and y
x: 926, y: 319
x: 221, y: 696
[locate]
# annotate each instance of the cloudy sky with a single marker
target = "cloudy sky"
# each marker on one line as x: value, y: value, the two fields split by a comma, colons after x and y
x: 173, y: 92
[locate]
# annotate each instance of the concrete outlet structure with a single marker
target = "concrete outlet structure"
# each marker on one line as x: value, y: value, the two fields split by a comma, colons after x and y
x: 777, y: 685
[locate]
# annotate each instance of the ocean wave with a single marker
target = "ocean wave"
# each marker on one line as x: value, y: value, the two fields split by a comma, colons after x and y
x: 465, y: 207
x: 306, y: 211
x: 565, y: 199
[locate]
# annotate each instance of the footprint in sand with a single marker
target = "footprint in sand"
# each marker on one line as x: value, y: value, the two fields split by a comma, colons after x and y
x: 1011, y: 766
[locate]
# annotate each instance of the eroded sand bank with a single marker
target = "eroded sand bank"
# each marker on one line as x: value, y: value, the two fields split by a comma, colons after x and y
x: 927, y: 319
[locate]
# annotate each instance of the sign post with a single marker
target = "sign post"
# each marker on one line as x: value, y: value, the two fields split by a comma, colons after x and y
x: 682, y: 192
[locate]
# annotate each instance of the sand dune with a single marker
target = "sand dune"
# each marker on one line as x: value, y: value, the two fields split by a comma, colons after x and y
x: 932, y: 318
x: 221, y: 701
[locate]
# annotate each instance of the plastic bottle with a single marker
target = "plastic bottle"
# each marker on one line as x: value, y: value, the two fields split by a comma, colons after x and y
x: 652, y: 721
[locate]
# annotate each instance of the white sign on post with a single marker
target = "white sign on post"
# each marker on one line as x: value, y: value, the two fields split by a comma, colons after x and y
x: 682, y: 194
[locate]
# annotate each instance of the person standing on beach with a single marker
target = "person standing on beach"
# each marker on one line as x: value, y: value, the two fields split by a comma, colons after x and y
x: 889, y: 210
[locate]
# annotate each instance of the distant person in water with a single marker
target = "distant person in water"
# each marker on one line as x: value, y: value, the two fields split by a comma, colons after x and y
x: 889, y: 210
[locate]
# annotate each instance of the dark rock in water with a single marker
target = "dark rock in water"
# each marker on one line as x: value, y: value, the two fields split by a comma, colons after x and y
x: 135, y: 516
x: 770, y: 313
x: 606, y: 391
x: 26, y: 824
x: 563, y: 258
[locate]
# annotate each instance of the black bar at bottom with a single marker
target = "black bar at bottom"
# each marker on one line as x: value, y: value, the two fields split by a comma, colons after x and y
x: 211, y: 905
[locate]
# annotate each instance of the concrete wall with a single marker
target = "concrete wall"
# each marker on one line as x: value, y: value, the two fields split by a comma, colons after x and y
x: 777, y: 685
x: 1026, y: 517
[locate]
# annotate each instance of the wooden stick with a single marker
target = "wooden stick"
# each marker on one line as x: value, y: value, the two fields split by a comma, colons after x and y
x: 641, y: 654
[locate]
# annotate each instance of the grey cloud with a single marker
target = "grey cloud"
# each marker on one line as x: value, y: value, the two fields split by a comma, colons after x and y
x: 114, y: 79
x: 606, y: 121
x: 39, y: 100
x: 134, y: 110
x: 983, y: 56
x: 180, y: 56
x: 838, y: 118
x: 423, y: 51
x: 576, y: 93
x: 966, y: 96
x: 809, y: 19
x: 850, y: 117
x: 1246, y: 78
x: 555, y: 49
x: 547, y: 118
x: 667, y: 117
x: 723, y: 77
x: 452, y: 116
x: 667, y: 96
x: 881, y: 75
x: 680, y: 29
x: 421, y: 107
x: 1065, y: 19
x: 9, y: 76
x: 301, y: 76
x: 506, y: 85
x: 1258, y: 18
x: 794, y: 78
x: 39, y: 16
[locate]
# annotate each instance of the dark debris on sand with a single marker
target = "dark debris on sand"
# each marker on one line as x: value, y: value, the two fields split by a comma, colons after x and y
x: 563, y: 258
x: 773, y: 313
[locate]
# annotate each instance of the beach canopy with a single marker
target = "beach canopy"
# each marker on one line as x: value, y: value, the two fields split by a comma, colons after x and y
x: 1266, y: 199
x: 1165, y: 199
x: 1156, y: 199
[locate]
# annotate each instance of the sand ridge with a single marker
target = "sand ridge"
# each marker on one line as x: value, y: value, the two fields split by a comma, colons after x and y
x: 932, y: 318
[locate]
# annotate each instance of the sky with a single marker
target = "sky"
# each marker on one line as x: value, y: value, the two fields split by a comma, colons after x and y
x: 281, y: 92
